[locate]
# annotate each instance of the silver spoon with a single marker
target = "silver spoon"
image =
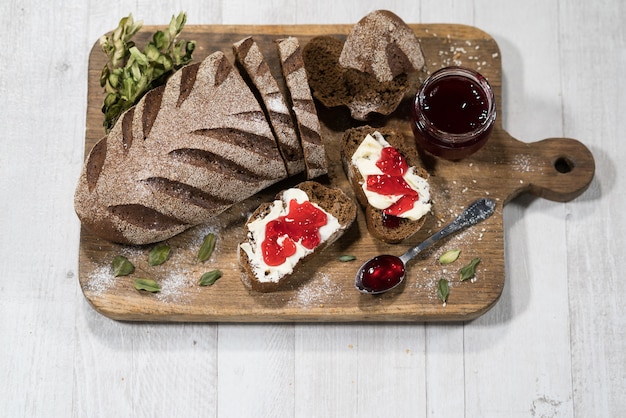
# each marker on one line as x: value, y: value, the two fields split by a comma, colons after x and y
x: 384, y: 272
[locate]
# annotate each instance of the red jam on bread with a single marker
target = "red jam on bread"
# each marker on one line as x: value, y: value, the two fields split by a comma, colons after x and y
x: 390, y: 185
x: 301, y: 224
x: 281, y: 235
x: 290, y: 229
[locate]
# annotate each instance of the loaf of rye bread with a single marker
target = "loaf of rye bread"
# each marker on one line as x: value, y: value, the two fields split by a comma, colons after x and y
x: 307, y: 121
x: 375, y: 221
x: 253, y: 64
x: 382, y: 45
x: 186, y: 152
x: 334, y: 85
x: 332, y: 200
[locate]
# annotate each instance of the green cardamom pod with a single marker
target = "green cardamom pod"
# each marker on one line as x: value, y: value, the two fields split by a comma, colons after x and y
x: 345, y: 258
x: 148, y: 285
x: 159, y: 254
x: 449, y: 256
x: 121, y: 266
x: 210, y: 277
x: 468, y: 271
x: 207, y: 247
x: 443, y: 290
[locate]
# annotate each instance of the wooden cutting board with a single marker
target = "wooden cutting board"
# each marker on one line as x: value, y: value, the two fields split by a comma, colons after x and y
x: 557, y: 169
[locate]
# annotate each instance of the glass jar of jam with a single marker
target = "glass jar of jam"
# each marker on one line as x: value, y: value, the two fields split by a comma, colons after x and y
x: 453, y: 113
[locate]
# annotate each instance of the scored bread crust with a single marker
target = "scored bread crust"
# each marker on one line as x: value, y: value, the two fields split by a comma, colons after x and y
x: 333, y: 200
x: 307, y: 121
x: 251, y: 60
x: 186, y: 152
x: 383, y: 45
x: 334, y: 85
x: 350, y: 141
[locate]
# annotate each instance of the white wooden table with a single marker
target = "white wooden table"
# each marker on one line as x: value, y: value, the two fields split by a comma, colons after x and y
x: 554, y: 345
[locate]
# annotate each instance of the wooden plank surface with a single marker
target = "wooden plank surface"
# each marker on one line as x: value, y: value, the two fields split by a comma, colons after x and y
x: 557, y: 169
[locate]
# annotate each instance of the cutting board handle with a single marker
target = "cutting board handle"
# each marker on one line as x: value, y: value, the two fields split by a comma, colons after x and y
x: 558, y: 169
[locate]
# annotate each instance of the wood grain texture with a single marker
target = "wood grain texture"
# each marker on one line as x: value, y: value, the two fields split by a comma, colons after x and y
x: 595, y: 234
x: 557, y: 169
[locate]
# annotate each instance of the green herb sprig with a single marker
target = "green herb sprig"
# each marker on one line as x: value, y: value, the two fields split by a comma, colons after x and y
x: 130, y: 73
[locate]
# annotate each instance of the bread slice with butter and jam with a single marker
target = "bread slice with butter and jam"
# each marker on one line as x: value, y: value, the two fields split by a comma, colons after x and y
x: 388, y: 181
x: 283, y: 234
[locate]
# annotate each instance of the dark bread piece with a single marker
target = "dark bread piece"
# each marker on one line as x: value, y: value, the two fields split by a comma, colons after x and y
x: 332, y: 200
x: 350, y: 141
x: 382, y: 45
x: 303, y: 106
x: 253, y: 63
x: 334, y: 85
x: 185, y: 153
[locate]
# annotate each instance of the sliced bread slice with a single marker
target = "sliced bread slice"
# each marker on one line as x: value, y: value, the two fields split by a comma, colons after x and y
x: 262, y: 274
x: 303, y: 106
x: 334, y: 85
x: 253, y: 63
x: 391, y: 229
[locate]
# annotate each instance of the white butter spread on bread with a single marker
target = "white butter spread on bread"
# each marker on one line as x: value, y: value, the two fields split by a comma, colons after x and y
x: 365, y: 158
x: 257, y: 235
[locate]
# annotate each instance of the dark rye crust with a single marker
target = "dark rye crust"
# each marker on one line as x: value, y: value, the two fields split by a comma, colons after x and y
x: 334, y: 85
x: 382, y: 33
x: 350, y: 141
x: 185, y: 153
x: 307, y: 122
x: 332, y: 200
x: 252, y: 64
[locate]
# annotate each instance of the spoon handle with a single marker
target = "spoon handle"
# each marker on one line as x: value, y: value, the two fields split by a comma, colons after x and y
x: 476, y: 212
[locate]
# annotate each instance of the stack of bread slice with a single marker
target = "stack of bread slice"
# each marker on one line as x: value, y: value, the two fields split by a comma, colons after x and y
x: 192, y: 148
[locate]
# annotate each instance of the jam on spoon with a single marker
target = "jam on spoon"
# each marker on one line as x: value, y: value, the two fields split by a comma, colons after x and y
x: 385, y: 272
x: 382, y: 273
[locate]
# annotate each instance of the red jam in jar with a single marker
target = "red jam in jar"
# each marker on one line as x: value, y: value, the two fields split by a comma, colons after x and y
x: 453, y: 113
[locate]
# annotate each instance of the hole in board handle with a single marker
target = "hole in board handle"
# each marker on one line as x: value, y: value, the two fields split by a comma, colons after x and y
x: 563, y: 165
